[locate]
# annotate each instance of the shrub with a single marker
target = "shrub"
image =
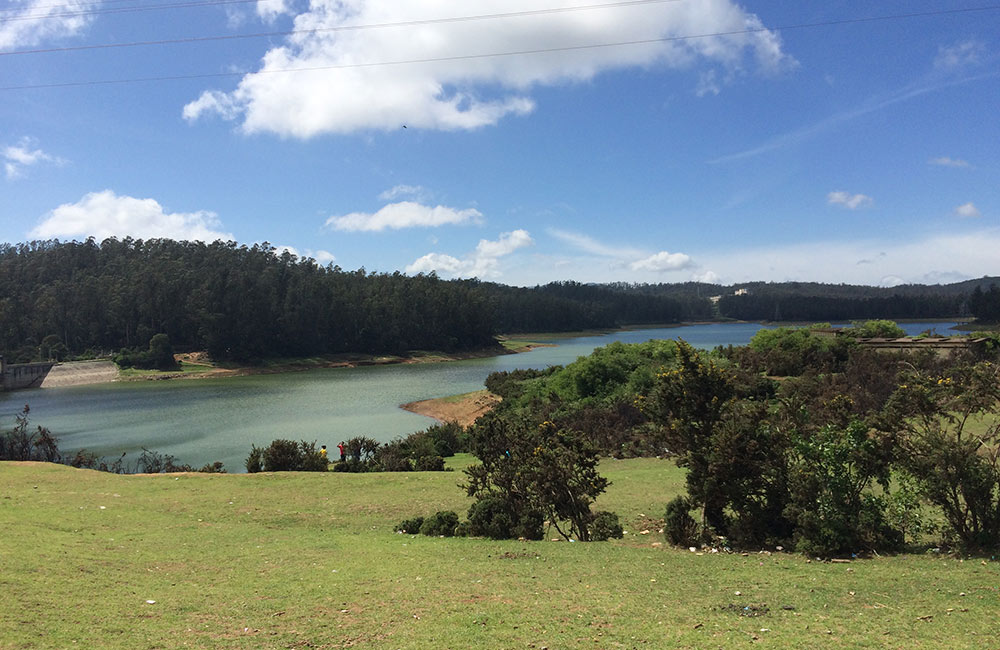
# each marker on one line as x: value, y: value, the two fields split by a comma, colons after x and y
x: 491, y: 517
x: 391, y: 458
x: 255, y: 461
x: 429, y: 464
x: 679, y: 527
x: 312, y: 459
x: 605, y: 526
x: 286, y: 456
x: 956, y: 469
x: 282, y: 456
x: 21, y: 444
x: 441, y: 523
x: 213, y: 468
x: 410, y: 526
x: 830, y: 473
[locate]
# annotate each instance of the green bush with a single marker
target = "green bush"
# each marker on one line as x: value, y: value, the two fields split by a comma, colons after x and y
x: 286, y: 456
x: 282, y: 456
x: 255, y: 461
x: 490, y: 517
x: 410, y: 526
x: 605, y: 526
x: 429, y: 464
x: 679, y: 527
x: 441, y: 523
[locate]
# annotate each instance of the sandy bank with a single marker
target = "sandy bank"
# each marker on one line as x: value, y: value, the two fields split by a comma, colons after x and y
x: 463, y: 409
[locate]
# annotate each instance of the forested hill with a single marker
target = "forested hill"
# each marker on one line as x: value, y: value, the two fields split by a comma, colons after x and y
x: 814, y: 302
x: 242, y: 302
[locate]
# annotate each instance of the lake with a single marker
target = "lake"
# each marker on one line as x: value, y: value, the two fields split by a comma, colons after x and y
x: 204, y: 420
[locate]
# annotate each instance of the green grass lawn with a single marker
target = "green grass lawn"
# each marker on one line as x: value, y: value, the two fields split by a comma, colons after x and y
x: 310, y: 561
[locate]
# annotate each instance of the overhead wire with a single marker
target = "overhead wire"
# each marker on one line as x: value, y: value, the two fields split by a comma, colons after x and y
x: 341, y: 28
x: 461, y: 57
x: 120, y: 10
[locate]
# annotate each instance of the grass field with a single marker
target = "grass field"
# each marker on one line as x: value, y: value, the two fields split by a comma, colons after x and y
x: 295, y: 560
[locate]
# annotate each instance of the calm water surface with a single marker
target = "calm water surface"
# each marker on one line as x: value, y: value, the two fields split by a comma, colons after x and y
x: 200, y: 421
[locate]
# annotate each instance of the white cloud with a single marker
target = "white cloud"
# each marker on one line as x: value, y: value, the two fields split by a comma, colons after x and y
x: 452, y: 87
x: 968, y: 210
x: 708, y: 277
x: 662, y: 261
x: 960, y: 55
x: 848, y: 200
x: 30, y: 22
x: 23, y: 154
x: 405, y: 214
x: 105, y: 214
x: 413, y: 191
x: 269, y: 10
x: 945, y: 161
x: 484, y: 262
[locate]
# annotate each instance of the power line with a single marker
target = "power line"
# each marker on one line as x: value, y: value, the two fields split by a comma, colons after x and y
x: 342, y: 28
x: 121, y: 10
x: 463, y: 57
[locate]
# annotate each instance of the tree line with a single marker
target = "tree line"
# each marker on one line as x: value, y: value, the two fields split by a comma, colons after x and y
x: 62, y: 299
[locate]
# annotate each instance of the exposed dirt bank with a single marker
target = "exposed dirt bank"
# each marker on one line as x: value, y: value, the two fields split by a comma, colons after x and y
x: 463, y: 409
x: 197, y: 365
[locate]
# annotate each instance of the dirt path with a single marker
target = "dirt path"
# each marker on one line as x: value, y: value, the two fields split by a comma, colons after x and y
x: 463, y: 409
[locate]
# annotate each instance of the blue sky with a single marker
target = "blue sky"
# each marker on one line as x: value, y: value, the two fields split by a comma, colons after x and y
x: 725, y: 142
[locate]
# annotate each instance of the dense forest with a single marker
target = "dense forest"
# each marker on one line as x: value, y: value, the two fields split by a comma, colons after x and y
x: 247, y: 303
x: 65, y: 299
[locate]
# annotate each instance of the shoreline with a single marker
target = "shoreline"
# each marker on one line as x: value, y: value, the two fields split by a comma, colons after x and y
x: 198, y: 366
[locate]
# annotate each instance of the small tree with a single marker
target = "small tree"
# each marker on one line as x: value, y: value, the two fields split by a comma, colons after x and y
x: 527, y: 469
x: 950, y: 444
x: 689, y: 400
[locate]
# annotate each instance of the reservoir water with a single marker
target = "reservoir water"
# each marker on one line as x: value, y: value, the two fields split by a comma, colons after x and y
x: 204, y: 420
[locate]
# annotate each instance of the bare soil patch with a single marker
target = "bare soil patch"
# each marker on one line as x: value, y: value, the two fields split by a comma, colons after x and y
x: 463, y: 409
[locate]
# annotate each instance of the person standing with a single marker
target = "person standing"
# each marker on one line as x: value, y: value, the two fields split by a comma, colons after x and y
x: 341, y: 448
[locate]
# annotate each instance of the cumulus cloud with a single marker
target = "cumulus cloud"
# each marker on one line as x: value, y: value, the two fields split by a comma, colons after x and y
x: 483, y: 262
x: 30, y: 22
x: 269, y: 10
x: 24, y: 154
x: 405, y: 214
x: 945, y: 161
x: 708, y: 277
x: 960, y: 55
x: 968, y: 211
x: 105, y: 214
x: 662, y: 261
x: 416, y: 70
x: 848, y: 200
